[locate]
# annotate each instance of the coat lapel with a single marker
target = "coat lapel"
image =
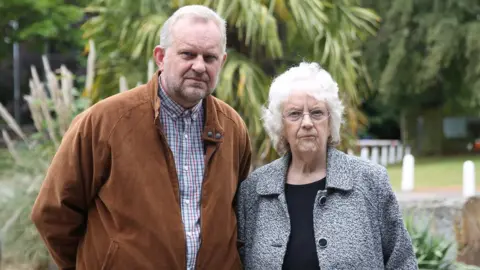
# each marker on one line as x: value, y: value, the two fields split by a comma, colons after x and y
x: 339, y: 177
x: 339, y: 174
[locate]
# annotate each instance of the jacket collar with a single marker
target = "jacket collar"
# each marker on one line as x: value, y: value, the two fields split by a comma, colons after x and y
x: 338, y: 177
x: 212, y: 131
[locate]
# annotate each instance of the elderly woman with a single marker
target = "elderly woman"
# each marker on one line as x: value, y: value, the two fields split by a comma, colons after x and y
x: 316, y: 207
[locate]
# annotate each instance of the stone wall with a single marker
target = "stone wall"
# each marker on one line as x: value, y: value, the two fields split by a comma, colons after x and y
x: 441, y: 211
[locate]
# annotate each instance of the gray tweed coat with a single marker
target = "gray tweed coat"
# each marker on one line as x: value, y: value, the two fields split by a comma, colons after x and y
x: 357, y: 221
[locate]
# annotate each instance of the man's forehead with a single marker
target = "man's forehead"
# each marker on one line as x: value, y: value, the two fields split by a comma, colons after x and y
x: 186, y: 35
x: 185, y: 44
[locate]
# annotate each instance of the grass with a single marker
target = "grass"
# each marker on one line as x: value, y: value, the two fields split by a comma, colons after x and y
x: 436, y: 172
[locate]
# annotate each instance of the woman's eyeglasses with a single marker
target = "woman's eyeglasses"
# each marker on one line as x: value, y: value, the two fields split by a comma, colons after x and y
x: 316, y: 115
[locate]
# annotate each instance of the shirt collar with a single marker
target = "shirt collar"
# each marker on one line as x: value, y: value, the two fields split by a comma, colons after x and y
x: 175, y: 110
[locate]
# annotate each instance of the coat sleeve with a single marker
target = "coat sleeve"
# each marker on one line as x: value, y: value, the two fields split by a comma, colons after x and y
x: 71, y: 183
x: 397, y: 245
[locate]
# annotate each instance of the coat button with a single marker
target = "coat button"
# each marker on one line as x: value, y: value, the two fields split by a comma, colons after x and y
x: 322, y: 242
x: 218, y: 136
x: 323, y: 200
x: 210, y: 134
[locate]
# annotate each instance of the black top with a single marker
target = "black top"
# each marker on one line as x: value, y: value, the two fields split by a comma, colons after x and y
x: 301, y: 248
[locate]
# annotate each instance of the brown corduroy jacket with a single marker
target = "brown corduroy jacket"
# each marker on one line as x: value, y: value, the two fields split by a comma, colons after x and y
x: 110, y: 199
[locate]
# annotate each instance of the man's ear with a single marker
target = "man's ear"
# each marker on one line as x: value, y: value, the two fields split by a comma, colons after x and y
x: 224, y: 59
x: 159, y: 56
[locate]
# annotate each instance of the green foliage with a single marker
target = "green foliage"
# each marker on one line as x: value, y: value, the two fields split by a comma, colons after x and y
x: 38, y: 21
x: 264, y: 38
x: 427, y: 54
x: 52, y: 116
x: 430, y: 250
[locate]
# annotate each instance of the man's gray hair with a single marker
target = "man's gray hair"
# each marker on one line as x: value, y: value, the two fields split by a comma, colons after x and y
x: 192, y: 11
x: 318, y: 83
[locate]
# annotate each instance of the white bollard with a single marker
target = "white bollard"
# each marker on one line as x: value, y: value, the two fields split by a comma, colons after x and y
x: 384, y: 156
x: 364, y: 153
x: 350, y: 152
x: 391, y: 154
x: 408, y: 150
x: 151, y: 69
x: 375, y: 155
x: 469, y: 187
x: 408, y: 173
x: 123, y: 84
x: 399, y: 153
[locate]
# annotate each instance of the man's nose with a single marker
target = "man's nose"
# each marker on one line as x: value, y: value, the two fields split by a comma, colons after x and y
x: 199, y: 64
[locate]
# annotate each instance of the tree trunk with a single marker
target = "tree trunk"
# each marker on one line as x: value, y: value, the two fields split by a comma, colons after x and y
x: 431, y: 134
x: 408, y: 129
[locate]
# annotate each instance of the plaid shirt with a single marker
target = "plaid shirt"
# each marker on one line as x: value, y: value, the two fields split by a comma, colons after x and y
x: 183, y: 129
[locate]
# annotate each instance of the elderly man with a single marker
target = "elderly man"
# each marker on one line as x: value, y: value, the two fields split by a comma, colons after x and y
x: 146, y: 179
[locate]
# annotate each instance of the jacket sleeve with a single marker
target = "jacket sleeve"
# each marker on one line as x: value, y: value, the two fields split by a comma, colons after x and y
x: 246, y: 158
x: 239, y: 201
x: 397, y: 245
x: 71, y: 183
x: 241, y: 220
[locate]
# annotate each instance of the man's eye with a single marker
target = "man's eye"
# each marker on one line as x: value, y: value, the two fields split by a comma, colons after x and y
x: 210, y: 58
x: 187, y: 54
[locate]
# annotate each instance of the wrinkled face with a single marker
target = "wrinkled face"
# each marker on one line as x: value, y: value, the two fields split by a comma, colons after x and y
x: 306, y: 123
x: 191, y: 65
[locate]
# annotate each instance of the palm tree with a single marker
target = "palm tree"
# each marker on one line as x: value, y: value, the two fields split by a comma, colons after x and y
x: 264, y: 38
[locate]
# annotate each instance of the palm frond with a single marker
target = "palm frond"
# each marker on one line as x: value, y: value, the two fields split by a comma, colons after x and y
x: 244, y: 85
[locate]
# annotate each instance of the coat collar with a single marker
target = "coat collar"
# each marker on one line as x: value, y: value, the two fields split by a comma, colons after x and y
x: 212, y: 131
x: 338, y: 176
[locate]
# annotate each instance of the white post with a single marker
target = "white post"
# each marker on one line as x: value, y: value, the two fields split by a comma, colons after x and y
x: 150, y: 70
x: 384, y: 156
x: 123, y: 84
x: 408, y: 173
x: 391, y: 154
x: 408, y: 150
x: 364, y: 153
x: 350, y: 152
x: 469, y: 188
x: 375, y: 155
x: 399, y: 153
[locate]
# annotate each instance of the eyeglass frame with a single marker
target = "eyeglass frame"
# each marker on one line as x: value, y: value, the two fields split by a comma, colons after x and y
x: 300, y: 118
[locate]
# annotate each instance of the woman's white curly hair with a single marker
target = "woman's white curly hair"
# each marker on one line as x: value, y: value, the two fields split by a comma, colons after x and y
x: 317, y: 82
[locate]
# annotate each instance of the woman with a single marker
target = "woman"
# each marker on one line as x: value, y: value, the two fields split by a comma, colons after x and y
x: 316, y: 207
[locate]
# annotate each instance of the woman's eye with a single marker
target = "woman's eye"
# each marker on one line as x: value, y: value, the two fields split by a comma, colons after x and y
x: 317, y: 113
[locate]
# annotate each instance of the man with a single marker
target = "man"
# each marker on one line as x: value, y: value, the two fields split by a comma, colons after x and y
x: 146, y: 179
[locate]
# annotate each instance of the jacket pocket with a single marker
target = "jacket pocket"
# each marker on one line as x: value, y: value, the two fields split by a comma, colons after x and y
x: 109, y: 258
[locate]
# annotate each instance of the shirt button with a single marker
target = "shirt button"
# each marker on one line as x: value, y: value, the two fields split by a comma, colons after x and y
x: 187, y: 201
x: 189, y: 234
x: 185, y: 168
x: 186, y: 136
